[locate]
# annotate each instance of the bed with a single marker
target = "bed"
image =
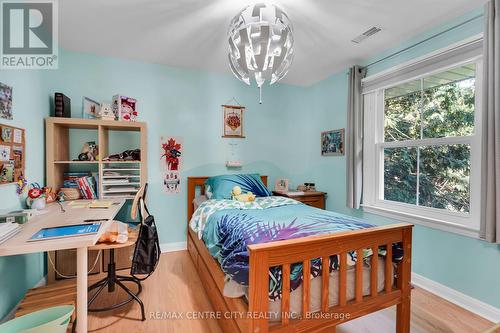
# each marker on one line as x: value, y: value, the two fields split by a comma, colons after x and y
x: 340, y: 292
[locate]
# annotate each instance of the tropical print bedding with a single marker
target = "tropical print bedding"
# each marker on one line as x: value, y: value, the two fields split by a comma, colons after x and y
x: 228, y: 226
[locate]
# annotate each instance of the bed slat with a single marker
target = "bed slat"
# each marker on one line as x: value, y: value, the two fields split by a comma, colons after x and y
x: 306, y: 286
x: 359, y: 275
x: 325, y: 279
x: 388, y: 268
x: 343, y: 279
x: 285, y: 294
x: 374, y: 272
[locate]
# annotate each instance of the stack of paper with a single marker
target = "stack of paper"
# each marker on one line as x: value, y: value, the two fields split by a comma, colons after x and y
x: 100, y: 204
x: 7, y: 230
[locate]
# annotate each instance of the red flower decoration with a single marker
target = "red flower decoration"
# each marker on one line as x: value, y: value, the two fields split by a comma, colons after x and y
x: 172, y: 151
x: 35, y: 193
x: 233, y: 121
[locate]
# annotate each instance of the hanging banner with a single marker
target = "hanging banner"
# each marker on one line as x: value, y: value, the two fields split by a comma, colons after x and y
x: 170, y: 163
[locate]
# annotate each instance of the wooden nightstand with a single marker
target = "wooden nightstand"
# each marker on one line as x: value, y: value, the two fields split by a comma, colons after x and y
x: 314, y: 199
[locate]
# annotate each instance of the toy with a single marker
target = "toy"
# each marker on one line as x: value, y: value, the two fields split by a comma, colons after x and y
x: 60, y: 197
x: 36, y: 197
x: 90, y: 152
x: 124, y: 108
x: 237, y: 194
x: 50, y: 195
x: 106, y: 112
x: 21, y: 185
x: 127, y: 155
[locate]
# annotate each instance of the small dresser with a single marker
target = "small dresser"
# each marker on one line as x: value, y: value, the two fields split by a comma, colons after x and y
x: 310, y: 198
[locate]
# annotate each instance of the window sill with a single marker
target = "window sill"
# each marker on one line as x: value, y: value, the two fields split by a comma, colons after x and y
x: 423, y: 221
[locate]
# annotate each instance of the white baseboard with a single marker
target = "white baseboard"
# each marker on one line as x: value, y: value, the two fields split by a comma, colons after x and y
x: 469, y: 303
x: 173, y: 247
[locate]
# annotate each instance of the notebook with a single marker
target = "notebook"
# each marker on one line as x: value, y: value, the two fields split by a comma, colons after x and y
x: 66, y: 231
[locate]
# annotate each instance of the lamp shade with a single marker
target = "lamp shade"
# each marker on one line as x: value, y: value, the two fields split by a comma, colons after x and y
x: 260, y: 44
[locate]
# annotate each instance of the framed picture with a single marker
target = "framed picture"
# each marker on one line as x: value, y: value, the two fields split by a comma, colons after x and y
x: 332, y: 143
x: 5, y: 101
x: 232, y: 121
x: 281, y: 185
x: 91, y: 108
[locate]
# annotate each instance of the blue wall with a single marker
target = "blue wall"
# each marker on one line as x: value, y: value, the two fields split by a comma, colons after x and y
x: 30, y: 106
x: 282, y: 140
x: 468, y: 265
x: 173, y: 102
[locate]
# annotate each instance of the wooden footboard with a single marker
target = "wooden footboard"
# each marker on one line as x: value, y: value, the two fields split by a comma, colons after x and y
x: 237, y: 316
x: 302, y: 250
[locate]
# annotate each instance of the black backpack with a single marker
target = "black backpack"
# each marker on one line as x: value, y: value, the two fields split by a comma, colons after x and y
x: 147, y: 248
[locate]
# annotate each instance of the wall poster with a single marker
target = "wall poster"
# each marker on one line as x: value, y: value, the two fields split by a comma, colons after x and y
x: 170, y: 163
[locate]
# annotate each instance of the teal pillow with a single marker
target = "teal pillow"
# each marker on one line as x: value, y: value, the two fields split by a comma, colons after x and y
x: 222, y: 186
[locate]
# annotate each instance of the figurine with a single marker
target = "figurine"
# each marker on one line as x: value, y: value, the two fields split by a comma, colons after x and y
x: 50, y: 195
x: 21, y: 185
x: 60, y: 197
x: 90, y: 152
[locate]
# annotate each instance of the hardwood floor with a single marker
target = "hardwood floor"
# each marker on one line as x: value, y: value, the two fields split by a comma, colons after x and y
x: 175, y: 290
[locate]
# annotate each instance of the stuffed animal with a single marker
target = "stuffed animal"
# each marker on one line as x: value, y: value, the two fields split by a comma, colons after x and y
x: 237, y: 194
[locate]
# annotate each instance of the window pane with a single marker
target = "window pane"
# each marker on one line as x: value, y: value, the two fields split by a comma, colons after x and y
x: 444, y: 177
x: 402, y: 111
x: 400, y: 175
x: 448, y: 104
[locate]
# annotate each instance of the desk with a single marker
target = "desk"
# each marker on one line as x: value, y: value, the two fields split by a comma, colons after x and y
x: 54, y: 217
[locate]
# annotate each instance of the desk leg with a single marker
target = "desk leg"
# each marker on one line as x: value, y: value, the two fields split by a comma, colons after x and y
x: 81, y: 290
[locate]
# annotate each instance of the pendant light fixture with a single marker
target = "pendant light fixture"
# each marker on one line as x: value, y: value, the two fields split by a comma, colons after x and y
x: 260, y: 44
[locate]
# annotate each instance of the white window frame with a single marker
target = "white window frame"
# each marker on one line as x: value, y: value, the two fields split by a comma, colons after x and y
x: 373, y: 150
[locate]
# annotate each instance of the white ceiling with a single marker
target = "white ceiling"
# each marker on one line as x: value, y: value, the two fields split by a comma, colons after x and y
x: 192, y: 33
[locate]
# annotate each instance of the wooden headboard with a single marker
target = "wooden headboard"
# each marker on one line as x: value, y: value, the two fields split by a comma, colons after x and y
x: 199, y: 182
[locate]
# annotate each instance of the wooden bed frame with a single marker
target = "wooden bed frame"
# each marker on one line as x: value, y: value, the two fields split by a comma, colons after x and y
x: 236, y: 315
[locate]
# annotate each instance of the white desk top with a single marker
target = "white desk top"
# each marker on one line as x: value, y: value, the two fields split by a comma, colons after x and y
x: 54, y: 217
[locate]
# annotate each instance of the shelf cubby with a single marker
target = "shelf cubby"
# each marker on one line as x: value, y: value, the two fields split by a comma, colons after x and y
x: 66, y: 136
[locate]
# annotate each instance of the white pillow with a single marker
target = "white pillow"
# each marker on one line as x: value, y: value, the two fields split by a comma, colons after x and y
x: 208, y: 191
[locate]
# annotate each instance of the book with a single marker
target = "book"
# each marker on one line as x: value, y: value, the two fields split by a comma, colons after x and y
x: 66, y: 231
x: 62, y: 105
x: 7, y: 230
x: 70, y: 179
x: 87, y: 186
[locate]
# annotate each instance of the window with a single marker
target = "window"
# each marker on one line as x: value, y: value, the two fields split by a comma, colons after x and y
x: 422, y: 148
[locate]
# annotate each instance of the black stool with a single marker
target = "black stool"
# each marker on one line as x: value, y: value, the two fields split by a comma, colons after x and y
x: 112, y: 280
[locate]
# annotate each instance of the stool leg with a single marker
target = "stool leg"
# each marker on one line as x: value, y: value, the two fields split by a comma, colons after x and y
x: 133, y: 296
x: 92, y: 299
x: 98, y: 284
x: 111, y: 271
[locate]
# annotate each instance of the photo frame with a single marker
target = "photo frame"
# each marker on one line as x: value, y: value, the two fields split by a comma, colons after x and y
x: 232, y: 121
x: 91, y: 108
x: 281, y: 185
x: 5, y: 101
x: 333, y: 143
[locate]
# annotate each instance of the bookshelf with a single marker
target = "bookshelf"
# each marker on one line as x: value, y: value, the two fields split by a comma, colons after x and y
x: 60, y: 151
x: 59, y: 161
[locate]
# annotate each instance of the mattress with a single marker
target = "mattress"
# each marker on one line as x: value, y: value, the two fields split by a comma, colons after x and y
x: 198, y: 200
x: 333, y: 296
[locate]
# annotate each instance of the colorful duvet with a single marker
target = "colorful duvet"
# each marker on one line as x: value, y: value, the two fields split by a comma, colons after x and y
x: 228, y: 226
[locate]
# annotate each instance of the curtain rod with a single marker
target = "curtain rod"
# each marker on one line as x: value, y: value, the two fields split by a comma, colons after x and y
x: 424, y: 40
